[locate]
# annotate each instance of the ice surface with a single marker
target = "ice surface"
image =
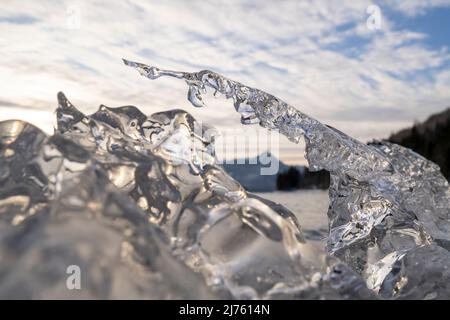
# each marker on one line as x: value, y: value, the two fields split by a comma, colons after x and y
x: 58, y: 208
x: 387, y: 203
x: 140, y: 205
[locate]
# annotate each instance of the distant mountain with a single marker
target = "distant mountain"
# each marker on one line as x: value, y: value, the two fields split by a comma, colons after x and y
x: 249, y: 174
x: 301, y: 178
x: 430, y: 139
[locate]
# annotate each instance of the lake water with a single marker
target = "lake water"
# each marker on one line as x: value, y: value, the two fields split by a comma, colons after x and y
x: 310, y: 207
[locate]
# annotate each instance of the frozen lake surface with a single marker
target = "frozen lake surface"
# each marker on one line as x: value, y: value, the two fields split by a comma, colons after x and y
x: 310, y: 208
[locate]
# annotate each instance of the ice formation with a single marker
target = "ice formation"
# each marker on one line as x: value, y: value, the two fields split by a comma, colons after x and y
x: 387, y: 203
x: 140, y: 205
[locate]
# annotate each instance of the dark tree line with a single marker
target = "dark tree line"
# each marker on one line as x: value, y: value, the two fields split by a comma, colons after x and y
x: 430, y: 139
x: 294, y: 179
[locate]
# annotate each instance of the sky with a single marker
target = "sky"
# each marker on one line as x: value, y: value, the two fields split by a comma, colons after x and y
x: 366, y: 68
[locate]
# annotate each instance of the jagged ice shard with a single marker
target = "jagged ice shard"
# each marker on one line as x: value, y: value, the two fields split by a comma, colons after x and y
x: 139, y: 204
x: 387, y: 203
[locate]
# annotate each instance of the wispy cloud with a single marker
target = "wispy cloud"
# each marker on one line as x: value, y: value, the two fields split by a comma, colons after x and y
x: 317, y: 55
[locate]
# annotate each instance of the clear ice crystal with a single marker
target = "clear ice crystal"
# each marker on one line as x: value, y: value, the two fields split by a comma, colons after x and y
x: 140, y: 205
x: 58, y: 208
x: 386, y: 201
x: 132, y: 199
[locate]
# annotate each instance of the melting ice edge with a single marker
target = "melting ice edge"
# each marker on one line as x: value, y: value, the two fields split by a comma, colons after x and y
x: 147, y: 214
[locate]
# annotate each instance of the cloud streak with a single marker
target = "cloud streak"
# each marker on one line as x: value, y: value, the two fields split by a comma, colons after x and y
x: 316, y: 55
